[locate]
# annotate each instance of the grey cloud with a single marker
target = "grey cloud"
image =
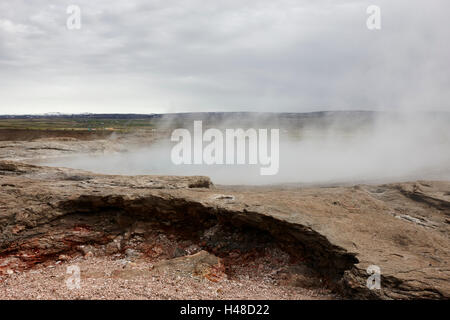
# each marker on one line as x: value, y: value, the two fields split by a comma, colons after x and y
x: 195, y: 55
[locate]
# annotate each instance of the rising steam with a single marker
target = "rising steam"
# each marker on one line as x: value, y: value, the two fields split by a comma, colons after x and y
x: 392, y: 147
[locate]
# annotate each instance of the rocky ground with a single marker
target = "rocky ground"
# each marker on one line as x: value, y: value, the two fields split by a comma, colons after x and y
x: 117, y: 277
x: 160, y: 237
x: 24, y: 148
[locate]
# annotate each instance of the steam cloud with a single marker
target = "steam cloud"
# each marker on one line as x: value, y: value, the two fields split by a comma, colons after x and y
x: 392, y: 148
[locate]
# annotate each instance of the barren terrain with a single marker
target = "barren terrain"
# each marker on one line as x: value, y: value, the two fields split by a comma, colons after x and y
x: 168, y: 237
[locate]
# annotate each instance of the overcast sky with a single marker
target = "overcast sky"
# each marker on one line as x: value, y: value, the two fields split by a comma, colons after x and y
x: 149, y: 56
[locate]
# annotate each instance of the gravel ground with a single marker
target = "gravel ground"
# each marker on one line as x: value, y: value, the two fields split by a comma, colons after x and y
x: 110, y: 277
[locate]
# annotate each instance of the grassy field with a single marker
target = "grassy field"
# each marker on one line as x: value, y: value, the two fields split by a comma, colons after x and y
x: 120, y: 125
